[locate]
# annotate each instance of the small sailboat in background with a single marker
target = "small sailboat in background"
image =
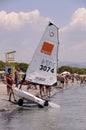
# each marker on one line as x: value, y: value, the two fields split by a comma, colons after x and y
x: 43, y: 67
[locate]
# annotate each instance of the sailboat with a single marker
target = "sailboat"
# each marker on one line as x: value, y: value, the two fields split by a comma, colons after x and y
x: 43, y: 67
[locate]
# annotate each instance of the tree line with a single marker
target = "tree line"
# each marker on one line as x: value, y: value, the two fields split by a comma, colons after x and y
x: 24, y: 66
x: 72, y: 70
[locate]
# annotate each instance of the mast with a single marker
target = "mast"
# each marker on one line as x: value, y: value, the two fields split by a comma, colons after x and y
x: 57, y: 52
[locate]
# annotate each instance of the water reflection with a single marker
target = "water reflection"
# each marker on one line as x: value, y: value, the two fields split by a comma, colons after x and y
x: 29, y: 119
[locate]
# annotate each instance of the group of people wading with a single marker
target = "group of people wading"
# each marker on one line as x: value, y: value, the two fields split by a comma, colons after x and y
x: 64, y: 79
x: 14, y: 81
x: 44, y: 91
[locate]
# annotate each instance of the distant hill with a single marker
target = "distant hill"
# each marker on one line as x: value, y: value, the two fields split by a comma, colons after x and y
x: 72, y: 64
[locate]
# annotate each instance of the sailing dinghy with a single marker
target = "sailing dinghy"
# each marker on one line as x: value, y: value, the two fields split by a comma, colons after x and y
x: 43, y: 67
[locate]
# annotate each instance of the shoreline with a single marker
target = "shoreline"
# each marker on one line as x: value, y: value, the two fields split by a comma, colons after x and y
x: 5, y: 105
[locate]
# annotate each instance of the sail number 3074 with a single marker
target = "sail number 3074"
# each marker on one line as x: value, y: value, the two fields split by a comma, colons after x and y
x: 46, y: 68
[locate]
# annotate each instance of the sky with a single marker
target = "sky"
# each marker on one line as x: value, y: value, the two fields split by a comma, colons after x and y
x: 23, y: 22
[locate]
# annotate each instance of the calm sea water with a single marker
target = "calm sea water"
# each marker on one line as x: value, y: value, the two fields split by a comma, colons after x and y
x: 71, y: 115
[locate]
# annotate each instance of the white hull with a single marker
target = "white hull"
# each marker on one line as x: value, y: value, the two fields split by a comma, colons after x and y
x: 29, y: 97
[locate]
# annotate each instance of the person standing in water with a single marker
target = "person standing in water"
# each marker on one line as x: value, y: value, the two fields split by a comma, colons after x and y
x: 48, y: 91
x: 9, y: 82
x: 62, y: 80
x: 17, y: 77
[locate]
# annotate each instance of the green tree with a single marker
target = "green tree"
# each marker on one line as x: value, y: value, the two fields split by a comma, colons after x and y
x: 65, y: 68
x: 22, y: 66
x: 2, y: 65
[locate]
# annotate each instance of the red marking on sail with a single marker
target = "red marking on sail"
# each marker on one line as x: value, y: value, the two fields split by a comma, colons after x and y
x: 47, y: 48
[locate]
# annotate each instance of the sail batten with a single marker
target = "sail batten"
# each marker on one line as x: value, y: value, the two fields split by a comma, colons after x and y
x: 43, y: 66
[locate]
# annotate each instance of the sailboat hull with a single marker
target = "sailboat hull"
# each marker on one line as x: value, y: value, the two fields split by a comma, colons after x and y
x: 23, y: 95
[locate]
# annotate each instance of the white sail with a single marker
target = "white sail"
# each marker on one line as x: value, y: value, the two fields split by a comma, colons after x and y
x: 43, y: 67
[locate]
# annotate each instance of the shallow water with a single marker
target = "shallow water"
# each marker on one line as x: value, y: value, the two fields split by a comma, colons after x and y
x: 71, y: 115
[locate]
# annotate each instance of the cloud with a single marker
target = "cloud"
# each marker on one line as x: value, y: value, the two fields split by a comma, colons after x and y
x: 14, y: 20
x: 22, y: 31
x: 9, y: 20
x: 73, y: 37
x: 78, y: 20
